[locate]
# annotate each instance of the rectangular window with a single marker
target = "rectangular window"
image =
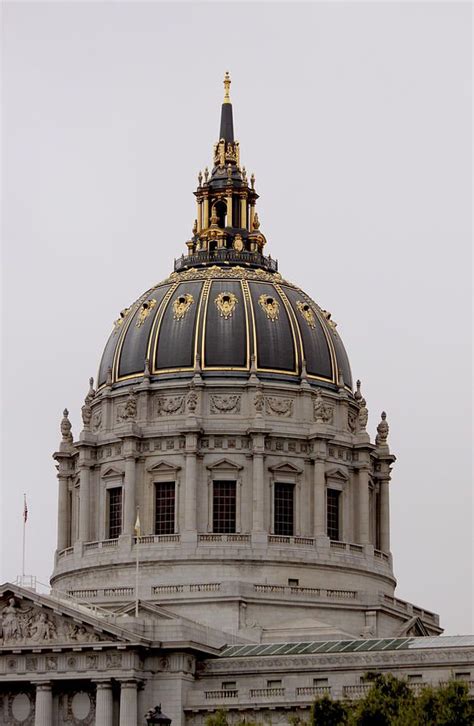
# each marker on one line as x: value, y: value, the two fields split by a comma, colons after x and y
x: 164, y: 507
x: 333, y: 514
x: 284, y: 509
x: 293, y: 582
x: 115, y: 512
x: 229, y: 686
x: 224, y: 506
x: 274, y: 683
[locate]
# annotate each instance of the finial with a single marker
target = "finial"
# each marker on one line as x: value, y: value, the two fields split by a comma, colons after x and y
x: 229, y: 172
x: 227, y: 83
x: 358, y: 394
x: 200, y: 178
x: 66, y: 427
x: 206, y: 174
x: 256, y: 221
x: 108, y: 380
x: 382, y: 431
x: 252, y: 181
x: 244, y: 174
x: 195, y: 227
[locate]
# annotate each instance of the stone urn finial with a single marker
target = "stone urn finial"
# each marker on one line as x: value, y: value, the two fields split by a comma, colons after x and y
x: 66, y: 427
x: 382, y: 431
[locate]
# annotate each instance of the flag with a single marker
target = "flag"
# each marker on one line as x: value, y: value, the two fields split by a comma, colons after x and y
x: 25, y: 509
x: 137, y: 524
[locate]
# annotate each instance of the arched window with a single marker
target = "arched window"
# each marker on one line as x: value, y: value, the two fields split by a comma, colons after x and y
x: 221, y: 211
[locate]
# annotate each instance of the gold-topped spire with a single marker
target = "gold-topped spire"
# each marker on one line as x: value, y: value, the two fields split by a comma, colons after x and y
x: 227, y: 83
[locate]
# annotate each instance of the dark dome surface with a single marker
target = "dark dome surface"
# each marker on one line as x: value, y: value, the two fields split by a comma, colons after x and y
x: 225, y: 321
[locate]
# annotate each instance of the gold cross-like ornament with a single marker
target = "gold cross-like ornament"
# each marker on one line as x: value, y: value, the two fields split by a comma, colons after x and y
x: 270, y: 306
x: 181, y: 305
x: 225, y: 303
x: 307, y: 313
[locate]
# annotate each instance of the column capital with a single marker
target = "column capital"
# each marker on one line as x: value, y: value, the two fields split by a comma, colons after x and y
x: 43, y: 685
x: 102, y: 683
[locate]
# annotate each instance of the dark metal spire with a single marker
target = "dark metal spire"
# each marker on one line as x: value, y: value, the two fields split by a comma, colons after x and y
x: 227, y: 122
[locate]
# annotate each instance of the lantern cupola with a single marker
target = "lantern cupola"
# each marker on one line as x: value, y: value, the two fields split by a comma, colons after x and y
x: 227, y: 227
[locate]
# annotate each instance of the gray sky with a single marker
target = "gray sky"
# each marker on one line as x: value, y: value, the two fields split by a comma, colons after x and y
x: 356, y: 119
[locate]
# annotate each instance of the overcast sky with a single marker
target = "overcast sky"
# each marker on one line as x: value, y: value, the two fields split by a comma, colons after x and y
x: 355, y: 118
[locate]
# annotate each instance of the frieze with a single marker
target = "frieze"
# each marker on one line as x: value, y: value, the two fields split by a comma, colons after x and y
x: 23, y: 625
x: 225, y: 404
x: 362, y: 660
x: 169, y: 405
x: 234, y: 272
x: 128, y: 410
x: 277, y: 406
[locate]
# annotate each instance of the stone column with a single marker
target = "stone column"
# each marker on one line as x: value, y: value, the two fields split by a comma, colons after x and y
x: 44, y: 705
x: 205, y: 214
x: 229, y: 210
x: 319, y: 498
x: 258, y: 524
x: 104, y: 704
x: 128, y: 703
x: 190, y: 492
x: 363, y: 510
x: 63, y: 513
x: 129, y: 514
x: 84, y: 503
x: 384, y: 516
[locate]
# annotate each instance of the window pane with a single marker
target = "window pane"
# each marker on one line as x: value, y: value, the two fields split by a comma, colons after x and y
x: 115, y: 512
x: 164, y: 507
x: 333, y: 513
x: 224, y: 506
x: 284, y: 509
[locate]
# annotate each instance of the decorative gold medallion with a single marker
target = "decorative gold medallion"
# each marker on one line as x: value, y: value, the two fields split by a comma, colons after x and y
x: 307, y: 313
x: 145, y: 309
x: 270, y: 306
x: 225, y: 303
x: 181, y: 305
x: 119, y: 322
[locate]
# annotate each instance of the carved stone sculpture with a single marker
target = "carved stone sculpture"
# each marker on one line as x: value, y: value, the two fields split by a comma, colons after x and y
x: 225, y: 404
x: 191, y: 399
x: 97, y: 420
x: 258, y: 402
x: 363, y: 414
x: 128, y: 410
x: 322, y: 412
x: 279, y: 406
x: 169, y: 405
x: 382, y: 431
x: 66, y: 427
x: 351, y: 421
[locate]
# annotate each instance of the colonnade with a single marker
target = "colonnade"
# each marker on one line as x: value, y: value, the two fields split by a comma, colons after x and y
x: 360, y: 483
x: 104, y: 703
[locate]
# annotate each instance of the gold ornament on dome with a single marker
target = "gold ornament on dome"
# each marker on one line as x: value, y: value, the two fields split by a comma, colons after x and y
x: 181, y: 305
x: 270, y: 306
x: 307, y: 313
x: 331, y: 323
x: 145, y: 310
x: 238, y: 243
x: 225, y: 303
x: 119, y: 322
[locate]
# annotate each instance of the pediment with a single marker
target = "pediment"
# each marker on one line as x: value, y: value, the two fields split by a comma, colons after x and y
x: 163, y: 467
x: 413, y: 627
x: 338, y: 474
x: 28, y: 619
x: 286, y: 467
x: 224, y: 464
x: 156, y: 612
x: 112, y: 473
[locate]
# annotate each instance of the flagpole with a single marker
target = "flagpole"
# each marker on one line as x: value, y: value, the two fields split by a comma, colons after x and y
x: 24, y: 539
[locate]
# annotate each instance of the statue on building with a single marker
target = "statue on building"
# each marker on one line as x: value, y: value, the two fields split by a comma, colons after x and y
x: 66, y: 427
x: 382, y: 431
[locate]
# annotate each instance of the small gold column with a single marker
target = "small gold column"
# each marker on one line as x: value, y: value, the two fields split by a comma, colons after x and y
x: 229, y: 209
x: 252, y: 215
x: 205, y: 216
x: 243, y: 212
x: 199, y: 213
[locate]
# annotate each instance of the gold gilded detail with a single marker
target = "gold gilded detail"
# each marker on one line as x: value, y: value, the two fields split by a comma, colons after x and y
x: 270, y: 306
x: 119, y: 322
x: 331, y: 323
x: 181, y: 305
x: 307, y: 313
x: 227, y: 83
x: 144, y: 311
x: 225, y: 303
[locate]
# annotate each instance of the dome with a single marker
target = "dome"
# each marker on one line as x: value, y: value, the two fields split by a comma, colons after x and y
x: 225, y: 321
